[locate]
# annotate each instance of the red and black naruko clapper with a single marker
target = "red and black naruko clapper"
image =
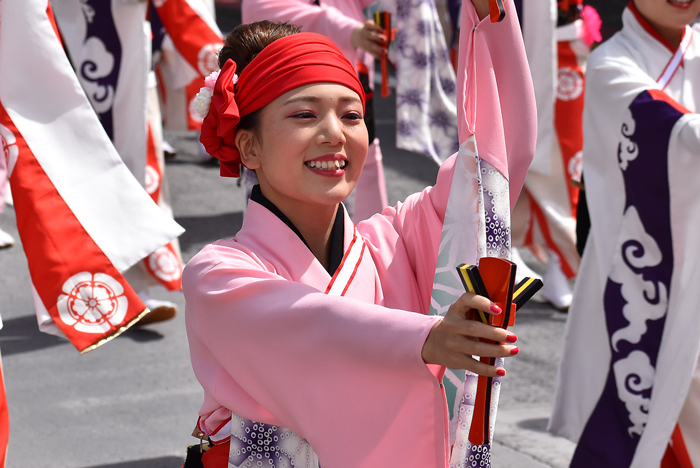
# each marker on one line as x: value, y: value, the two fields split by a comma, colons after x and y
x: 383, y: 20
x: 497, y: 11
x: 494, y: 279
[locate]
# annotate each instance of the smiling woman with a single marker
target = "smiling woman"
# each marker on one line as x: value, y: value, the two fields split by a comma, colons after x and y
x: 669, y: 17
x: 310, y: 335
x: 308, y: 153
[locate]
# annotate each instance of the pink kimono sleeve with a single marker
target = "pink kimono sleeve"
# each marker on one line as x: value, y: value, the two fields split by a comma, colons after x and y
x: 407, y: 236
x: 323, y: 19
x: 346, y: 375
x: 492, y: 61
x: 495, y: 95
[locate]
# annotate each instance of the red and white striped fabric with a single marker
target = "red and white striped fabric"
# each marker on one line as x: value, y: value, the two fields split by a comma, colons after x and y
x: 164, y: 264
x: 82, y: 216
x: 193, y: 31
x: 110, y: 47
x: 676, y: 60
x: 197, y: 40
x: 348, y: 267
x: 220, y: 435
x: 545, y: 217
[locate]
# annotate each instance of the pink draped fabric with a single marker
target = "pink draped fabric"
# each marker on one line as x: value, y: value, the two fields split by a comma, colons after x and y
x: 492, y: 102
x: 370, y: 191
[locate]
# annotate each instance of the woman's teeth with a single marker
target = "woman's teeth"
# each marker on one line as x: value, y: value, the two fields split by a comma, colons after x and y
x: 680, y: 2
x: 327, y: 165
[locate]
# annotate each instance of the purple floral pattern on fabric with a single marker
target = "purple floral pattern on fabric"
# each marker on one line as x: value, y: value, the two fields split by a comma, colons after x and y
x: 255, y: 444
x: 426, y: 84
x: 494, y: 205
x: 477, y: 224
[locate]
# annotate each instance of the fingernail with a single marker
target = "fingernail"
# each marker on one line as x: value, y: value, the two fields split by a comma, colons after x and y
x: 514, y: 350
x: 495, y: 309
x: 500, y: 372
x: 511, y: 338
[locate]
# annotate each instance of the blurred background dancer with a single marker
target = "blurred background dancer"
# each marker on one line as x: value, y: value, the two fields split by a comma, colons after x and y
x: 114, y: 46
x: 6, y: 239
x: 558, y: 36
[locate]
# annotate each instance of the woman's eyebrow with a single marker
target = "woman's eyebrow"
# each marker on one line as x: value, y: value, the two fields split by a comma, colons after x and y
x: 303, y: 99
x: 318, y: 99
x: 351, y: 99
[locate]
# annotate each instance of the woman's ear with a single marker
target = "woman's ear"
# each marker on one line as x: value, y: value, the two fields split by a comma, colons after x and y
x: 249, y: 148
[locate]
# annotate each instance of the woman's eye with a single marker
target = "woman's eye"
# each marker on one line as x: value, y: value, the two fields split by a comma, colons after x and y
x: 353, y: 116
x: 303, y: 115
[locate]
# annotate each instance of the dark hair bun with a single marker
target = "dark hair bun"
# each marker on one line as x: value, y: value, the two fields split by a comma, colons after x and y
x: 246, y: 41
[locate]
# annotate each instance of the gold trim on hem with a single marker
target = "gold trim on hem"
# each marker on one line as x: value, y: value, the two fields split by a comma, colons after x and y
x: 116, y: 333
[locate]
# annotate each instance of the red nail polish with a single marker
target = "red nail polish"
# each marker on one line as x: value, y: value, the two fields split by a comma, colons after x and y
x: 495, y: 309
x: 514, y: 350
x: 511, y: 338
x: 500, y: 372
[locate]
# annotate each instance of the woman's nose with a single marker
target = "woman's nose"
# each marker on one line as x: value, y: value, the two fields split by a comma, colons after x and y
x: 331, y: 130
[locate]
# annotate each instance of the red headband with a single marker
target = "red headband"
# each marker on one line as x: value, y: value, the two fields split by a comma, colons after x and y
x: 286, y: 64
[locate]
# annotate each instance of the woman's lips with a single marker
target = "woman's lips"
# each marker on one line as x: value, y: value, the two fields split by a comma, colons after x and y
x: 682, y: 4
x: 332, y: 165
x: 327, y: 167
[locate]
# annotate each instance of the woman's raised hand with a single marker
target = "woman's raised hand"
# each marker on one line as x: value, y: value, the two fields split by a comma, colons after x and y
x: 454, y: 340
x: 370, y: 37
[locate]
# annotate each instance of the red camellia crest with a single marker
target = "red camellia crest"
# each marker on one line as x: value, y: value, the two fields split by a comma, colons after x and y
x: 92, y: 303
x: 570, y: 84
x: 9, y: 148
x: 165, y: 265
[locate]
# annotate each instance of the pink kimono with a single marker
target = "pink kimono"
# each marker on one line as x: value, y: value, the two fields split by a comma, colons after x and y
x: 345, y: 372
x: 342, y: 378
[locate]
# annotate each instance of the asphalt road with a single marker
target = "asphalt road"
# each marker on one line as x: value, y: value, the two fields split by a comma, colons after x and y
x: 133, y: 403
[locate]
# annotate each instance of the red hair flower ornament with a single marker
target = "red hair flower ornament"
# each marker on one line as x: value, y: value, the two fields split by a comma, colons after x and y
x: 216, y: 103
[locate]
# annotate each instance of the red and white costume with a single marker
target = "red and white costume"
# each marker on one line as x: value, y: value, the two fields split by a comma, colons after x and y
x: 186, y: 25
x: 82, y: 216
x: 545, y: 218
x: 109, y: 43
